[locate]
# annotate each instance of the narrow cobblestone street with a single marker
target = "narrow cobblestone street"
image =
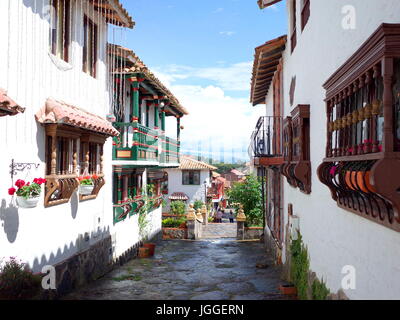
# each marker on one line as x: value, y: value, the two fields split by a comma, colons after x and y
x: 192, y: 270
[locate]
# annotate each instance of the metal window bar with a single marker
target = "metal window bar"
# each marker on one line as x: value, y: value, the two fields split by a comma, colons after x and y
x: 266, y: 140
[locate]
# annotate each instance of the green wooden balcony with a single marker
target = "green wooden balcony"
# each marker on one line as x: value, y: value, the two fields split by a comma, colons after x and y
x: 135, y: 143
x: 138, y: 143
x: 170, y: 151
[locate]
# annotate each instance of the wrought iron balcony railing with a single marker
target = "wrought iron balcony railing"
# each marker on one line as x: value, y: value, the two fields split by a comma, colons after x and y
x: 266, y: 140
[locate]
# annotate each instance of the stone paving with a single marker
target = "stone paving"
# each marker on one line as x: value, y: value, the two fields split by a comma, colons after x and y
x: 219, y: 230
x: 192, y: 270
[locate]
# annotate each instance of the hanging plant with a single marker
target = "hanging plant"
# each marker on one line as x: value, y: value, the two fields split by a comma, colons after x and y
x: 27, y: 193
x: 86, y: 184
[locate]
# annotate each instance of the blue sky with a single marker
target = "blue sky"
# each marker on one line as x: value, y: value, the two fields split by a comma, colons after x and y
x: 203, y: 51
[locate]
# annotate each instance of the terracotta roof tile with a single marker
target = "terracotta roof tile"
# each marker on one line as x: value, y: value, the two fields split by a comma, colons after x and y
x: 140, y: 67
x: 188, y: 163
x: 237, y: 172
x: 115, y: 14
x: 62, y: 113
x: 8, y: 106
x: 266, y: 60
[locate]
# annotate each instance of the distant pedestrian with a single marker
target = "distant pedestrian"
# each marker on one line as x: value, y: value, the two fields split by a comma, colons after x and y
x: 219, y: 216
x: 231, y: 217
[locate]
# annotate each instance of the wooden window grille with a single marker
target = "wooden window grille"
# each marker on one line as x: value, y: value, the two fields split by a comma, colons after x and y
x: 90, y: 31
x: 305, y: 13
x: 297, y: 165
x: 62, y: 162
x: 362, y: 164
x: 60, y: 27
x: 293, y: 39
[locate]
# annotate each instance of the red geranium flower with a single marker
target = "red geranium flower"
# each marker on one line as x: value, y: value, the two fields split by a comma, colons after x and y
x: 87, y: 178
x: 20, y: 183
x: 12, y: 191
x: 95, y: 177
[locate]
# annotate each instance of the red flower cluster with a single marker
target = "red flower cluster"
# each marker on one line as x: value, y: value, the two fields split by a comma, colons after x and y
x: 39, y: 181
x: 93, y: 177
x: 21, y: 183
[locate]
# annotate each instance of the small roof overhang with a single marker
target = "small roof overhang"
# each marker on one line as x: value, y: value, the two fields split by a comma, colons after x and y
x: 135, y: 67
x: 266, y: 3
x: 266, y: 61
x: 56, y: 112
x: 178, y: 196
x: 8, y: 107
x: 114, y: 12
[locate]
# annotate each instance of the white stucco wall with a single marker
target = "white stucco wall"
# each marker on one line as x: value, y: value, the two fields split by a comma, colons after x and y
x: 41, y: 235
x: 195, y: 192
x: 335, y: 237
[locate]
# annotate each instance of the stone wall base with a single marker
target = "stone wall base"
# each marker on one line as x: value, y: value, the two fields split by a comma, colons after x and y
x: 174, y: 233
x: 90, y: 265
x: 253, y: 233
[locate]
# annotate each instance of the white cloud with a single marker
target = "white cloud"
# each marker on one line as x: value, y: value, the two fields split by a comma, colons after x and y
x: 215, y: 118
x: 234, y: 77
x: 227, y: 33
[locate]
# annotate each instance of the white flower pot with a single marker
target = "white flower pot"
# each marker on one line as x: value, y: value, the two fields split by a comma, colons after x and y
x: 27, y: 203
x: 86, y: 190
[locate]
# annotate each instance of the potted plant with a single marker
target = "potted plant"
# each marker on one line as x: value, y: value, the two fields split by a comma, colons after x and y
x: 86, y: 185
x: 148, y: 249
x: 28, y: 194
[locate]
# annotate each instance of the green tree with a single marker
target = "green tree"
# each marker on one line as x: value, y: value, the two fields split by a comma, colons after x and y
x: 178, y: 207
x: 248, y: 193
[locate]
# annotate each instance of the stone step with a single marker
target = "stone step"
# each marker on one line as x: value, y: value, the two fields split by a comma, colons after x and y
x: 219, y: 230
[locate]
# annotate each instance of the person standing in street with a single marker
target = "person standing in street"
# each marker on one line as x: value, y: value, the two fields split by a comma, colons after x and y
x: 219, y: 216
x: 231, y: 217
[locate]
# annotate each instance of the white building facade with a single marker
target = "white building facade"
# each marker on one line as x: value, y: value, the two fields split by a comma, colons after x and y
x: 192, y: 180
x: 54, y: 65
x: 335, y: 53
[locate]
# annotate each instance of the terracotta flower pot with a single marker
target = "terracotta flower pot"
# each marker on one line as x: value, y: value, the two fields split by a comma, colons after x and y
x: 151, y: 247
x: 363, y: 180
x: 350, y: 179
x: 288, y: 290
x: 144, y: 252
x: 183, y: 225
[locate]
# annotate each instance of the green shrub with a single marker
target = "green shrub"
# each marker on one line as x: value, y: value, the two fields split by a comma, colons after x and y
x: 249, y: 194
x: 255, y: 218
x: 178, y: 208
x: 319, y: 290
x: 17, y: 282
x: 173, y: 223
x: 300, y: 265
x: 198, y: 204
